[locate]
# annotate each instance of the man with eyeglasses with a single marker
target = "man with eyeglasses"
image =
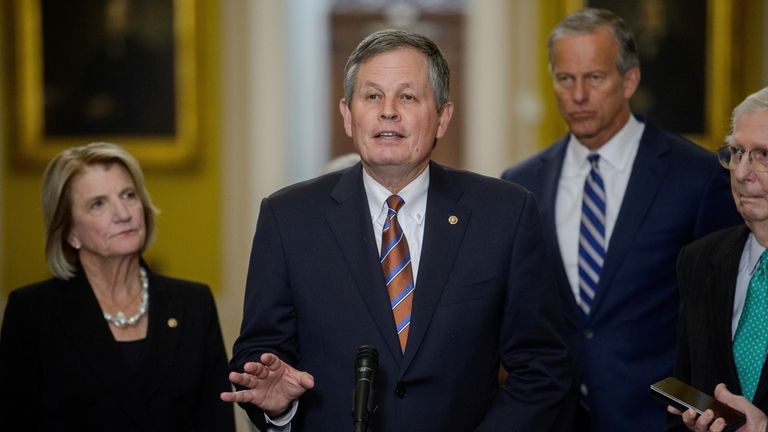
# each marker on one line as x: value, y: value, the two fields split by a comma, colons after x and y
x: 723, y: 281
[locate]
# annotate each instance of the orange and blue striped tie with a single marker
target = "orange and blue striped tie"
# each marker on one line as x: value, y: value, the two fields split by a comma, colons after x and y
x: 396, y: 264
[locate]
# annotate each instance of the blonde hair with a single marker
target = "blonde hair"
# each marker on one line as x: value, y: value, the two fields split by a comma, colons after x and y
x: 57, y: 199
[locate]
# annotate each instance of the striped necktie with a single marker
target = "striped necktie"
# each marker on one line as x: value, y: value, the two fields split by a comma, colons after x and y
x: 396, y: 265
x: 591, y: 235
x: 751, y: 339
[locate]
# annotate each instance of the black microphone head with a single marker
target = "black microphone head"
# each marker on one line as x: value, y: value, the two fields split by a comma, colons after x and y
x: 366, y: 364
x: 367, y: 356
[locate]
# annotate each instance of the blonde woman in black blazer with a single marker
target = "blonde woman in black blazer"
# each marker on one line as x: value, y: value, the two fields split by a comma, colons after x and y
x: 107, y: 344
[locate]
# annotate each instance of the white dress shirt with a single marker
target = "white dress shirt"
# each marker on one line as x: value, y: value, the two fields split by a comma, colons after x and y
x: 615, y: 165
x: 750, y: 256
x: 411, y: 215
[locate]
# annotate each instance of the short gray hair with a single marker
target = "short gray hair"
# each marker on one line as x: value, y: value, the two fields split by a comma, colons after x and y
x: 389, y: 40
x: 589, y: 20
x: 756, y: 102
x: 57, y: 199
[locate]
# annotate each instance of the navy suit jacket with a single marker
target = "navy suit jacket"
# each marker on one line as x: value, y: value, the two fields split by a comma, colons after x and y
x: 677, y: 192
x: 61, y: 369
x: 707, y: 270
x: 315, y: 293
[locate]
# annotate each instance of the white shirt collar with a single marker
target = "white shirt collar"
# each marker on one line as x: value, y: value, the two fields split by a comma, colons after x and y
x: 414, y: 194
x: 755, y: 250
x: 618, y: 151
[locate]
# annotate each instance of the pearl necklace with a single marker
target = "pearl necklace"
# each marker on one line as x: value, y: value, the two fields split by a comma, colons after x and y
x: 120, y: 320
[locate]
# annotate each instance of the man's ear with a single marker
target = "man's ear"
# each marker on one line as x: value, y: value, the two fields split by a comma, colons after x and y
x: 444, y: 119
x: 631, y: 82
x: 346, y: 114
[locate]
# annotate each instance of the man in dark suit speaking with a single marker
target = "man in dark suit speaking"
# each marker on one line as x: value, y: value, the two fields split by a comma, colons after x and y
x: 618, y: 199
x: 443, y: 271
x: 723, y: 280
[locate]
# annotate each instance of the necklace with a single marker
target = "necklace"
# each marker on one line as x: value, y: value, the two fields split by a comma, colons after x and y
x: 120, y: 320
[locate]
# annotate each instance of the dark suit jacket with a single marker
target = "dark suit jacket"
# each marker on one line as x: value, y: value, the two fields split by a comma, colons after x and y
x: 315, y: 293
x: 676, y: 193
x: 707, y: 272
x: 61, y: 369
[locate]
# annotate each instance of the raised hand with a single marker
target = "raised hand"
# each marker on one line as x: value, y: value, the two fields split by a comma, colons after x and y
x: 270, y: 384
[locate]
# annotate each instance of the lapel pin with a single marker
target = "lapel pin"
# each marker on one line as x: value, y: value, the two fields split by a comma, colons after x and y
x: 172, y: 323
x: 453, y: 220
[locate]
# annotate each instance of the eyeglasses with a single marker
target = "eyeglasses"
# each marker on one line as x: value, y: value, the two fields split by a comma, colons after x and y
x: 730, y: 157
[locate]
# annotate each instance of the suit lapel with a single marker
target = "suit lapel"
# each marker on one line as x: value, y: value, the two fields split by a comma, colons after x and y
x: 551, y: 165
x: 162, y: 335
x: 81, y: 317
x: 351, y: 225
x: 721, y: 289
x: 442, y: 241
x: 647, y: 173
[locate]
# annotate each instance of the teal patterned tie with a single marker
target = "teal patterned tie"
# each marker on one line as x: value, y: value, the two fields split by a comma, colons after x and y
x: 751, y: 340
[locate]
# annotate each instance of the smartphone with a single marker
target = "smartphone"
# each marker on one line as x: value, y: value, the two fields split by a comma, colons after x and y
x: 682, y: 396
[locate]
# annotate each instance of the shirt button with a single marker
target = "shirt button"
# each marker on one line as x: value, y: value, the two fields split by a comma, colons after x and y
x: 400, y: 391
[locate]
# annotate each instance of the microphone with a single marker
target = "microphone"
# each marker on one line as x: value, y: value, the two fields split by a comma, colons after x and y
x: 366, y: 363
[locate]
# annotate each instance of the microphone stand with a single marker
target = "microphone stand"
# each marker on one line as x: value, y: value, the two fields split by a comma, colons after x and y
x: 361, y: 426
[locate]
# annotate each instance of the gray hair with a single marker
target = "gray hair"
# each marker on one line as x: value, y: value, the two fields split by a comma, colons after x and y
x: 57, y: 199
x: 756, y: 102
x: 389, y: 40
x: 589, y: 20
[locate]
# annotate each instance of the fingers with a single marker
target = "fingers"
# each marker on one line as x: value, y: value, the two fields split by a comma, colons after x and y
x: 306, y: 380
x: 705, y: 422
x: 257, y: 369
x: 241, y: 379
x: 238, y: 396
x: 717, y: 426
x: 701, y: 423
x: 271, y: 361
x: 689, y: 418
x: 673, y: 410
x: 724, y: 395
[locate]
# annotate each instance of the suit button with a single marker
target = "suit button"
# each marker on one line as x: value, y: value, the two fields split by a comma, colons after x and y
x: 400, y: 390
x: 588, y: 334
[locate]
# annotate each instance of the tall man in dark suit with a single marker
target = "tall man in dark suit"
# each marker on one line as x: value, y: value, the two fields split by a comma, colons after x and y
x: 471, y: 273
x: 723, y: 281
x: 618, y: 199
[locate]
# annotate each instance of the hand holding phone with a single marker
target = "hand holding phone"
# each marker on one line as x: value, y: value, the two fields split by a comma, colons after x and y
x: 683, y: 397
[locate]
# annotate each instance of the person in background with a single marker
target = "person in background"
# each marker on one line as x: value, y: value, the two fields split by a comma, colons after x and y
x: 723, y: 277
x: 618, y: 198
x: 442, y: 271
x: 340, y: 162
x: 108, y: 344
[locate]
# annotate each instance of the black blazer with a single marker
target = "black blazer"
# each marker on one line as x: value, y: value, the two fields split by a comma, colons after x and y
x: 315, y: 292
x: 61, y: 369
x: 707, y: 272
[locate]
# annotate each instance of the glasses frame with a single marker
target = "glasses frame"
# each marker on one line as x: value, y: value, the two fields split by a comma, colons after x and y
x: 759, y: 164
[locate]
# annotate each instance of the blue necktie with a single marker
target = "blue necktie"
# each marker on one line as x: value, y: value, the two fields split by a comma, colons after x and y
x: 591, y: 235
x: 751, y: 339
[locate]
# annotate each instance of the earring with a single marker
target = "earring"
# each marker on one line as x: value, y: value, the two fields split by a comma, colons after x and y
x: 76, y: 245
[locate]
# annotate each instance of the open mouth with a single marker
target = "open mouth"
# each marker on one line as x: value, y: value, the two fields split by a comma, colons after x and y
x: 388, y: 134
